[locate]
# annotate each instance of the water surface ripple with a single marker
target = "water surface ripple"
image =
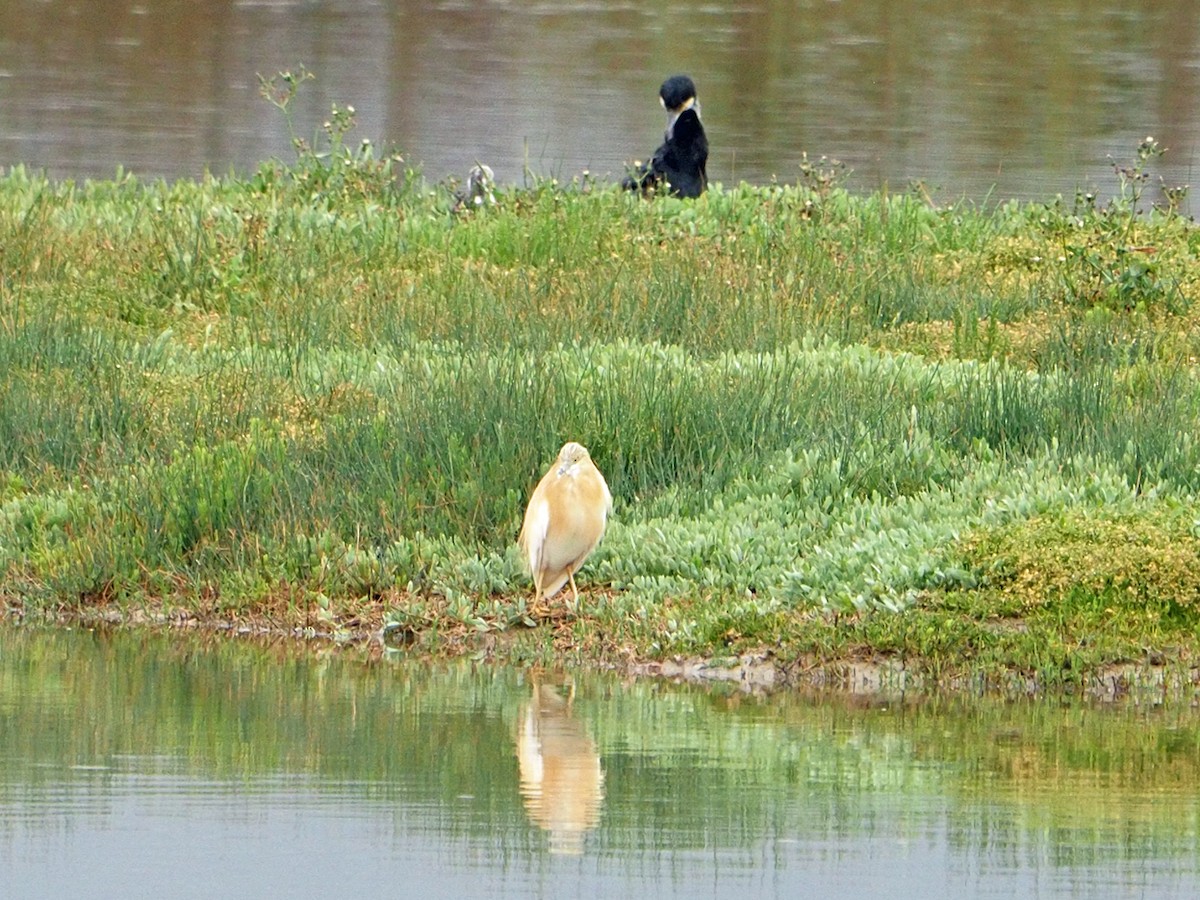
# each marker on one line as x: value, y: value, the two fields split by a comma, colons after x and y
x: 165, y: 765
x: 1007, y: 99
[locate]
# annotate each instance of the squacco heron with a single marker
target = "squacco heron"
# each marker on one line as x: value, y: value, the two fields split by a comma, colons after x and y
x: 564, y: 521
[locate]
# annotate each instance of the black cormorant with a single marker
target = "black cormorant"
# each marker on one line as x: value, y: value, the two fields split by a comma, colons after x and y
x: 679, y: 164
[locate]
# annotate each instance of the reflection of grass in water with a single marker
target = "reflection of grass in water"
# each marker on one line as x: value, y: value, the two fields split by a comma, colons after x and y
x: 682, y: 766
x: 321, y: 386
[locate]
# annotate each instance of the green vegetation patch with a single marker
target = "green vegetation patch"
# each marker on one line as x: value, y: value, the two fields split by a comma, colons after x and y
x: 1151, y: 560
x: 834, y: 425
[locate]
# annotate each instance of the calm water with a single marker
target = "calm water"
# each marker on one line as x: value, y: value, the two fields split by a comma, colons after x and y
x: 1027, y: 96
x: 149, y: 766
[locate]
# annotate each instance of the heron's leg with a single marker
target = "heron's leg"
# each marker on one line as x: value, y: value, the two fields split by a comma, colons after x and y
x: 537, y: 609
x: 573, y: 606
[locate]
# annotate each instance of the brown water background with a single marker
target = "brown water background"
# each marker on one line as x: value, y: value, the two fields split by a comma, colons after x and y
x: 1004, y: 99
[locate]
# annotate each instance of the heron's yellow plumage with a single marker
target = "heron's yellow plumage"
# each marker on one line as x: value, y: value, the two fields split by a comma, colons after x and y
x: 562, y: 781
x: 564, y: 521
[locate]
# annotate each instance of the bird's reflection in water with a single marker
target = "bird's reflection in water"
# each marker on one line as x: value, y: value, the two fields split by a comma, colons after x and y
x: 562, y: 783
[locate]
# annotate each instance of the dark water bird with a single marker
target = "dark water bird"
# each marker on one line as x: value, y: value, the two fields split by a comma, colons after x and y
x: 679, y: 165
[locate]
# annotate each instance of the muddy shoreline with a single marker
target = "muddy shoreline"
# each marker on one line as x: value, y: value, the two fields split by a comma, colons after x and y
x: 364, y: 632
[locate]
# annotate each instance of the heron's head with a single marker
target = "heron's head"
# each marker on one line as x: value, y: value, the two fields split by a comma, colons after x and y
x: 571, y: 455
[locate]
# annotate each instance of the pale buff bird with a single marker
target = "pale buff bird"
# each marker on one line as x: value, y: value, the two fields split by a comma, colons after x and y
x: 562, y: 781
x: 564, y: 521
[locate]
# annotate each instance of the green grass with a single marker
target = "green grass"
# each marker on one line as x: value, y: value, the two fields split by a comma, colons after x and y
x: 834, y: 424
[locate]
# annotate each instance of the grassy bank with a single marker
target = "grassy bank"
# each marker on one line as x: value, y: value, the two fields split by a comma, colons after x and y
x: 836, y: 425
